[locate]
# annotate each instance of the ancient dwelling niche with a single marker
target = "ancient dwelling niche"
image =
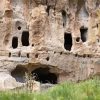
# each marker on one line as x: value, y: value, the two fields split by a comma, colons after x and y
x: 64, y: 17
x: 43, y: 75
x: 15, y: 42
x: 19, y: 74
x: 83, y: 33
x: 25, y: 38
x: 67, y: 41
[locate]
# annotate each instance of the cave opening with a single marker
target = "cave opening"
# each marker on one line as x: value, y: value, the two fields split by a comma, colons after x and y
x: 68, y: 41
x: 43, y: 75
x: 25, y: 38
x: 83, y: 34
x: 64, y: 17
x: 15, y: 42
x: 19, y: 74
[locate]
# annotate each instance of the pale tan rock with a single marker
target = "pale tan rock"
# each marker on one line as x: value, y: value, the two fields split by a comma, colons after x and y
x: 60, y: 36
x: 7, y: 82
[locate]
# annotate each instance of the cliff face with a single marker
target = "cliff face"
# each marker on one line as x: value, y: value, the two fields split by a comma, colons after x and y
x: 58, y: 40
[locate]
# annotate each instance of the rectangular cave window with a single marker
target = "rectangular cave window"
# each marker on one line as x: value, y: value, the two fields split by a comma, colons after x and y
x: 67, y: 41
x: 83, y: 34
x: 25, y: 38
x: 15, y: 42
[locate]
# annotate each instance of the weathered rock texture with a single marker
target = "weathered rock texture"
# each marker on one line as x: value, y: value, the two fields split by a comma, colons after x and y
x: 58, y: 40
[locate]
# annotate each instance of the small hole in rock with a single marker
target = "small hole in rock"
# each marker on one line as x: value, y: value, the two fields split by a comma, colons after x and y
x: 48, y: 9
x: 60, y: 53
x: 9, y: 54
x: 36, y: 32
x: 78, y: 39
x: 84, y: 55
x: 97, y: 25
x: 32, y: 45
x: 27, y: 55
x: 36, y: 56
x: 19, y: 28
x: 98, y: 40
x: 76, y: 55
x: 88, y: 55
x: 19, y: 54
x: 47, y: 58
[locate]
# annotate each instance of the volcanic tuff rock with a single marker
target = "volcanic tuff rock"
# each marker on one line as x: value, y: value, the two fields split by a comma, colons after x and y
x: 57, y: 40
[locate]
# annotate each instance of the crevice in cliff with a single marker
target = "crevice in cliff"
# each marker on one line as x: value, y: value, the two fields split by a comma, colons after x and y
x: 25, y: 38
x: 83, y: 33
x: 67, y: 41
x: 15, y: 42
x: 43, y: 75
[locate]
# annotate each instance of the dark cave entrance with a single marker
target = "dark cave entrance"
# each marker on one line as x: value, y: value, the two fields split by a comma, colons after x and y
x: 19, y: 74
x: 25, y: 38
x: 68, y: 41
x: 83, y: 34
x: 43, y: 75
x: 15, y: 42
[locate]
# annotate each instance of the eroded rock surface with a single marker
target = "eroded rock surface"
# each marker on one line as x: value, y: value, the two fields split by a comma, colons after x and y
x: 57, y: 40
